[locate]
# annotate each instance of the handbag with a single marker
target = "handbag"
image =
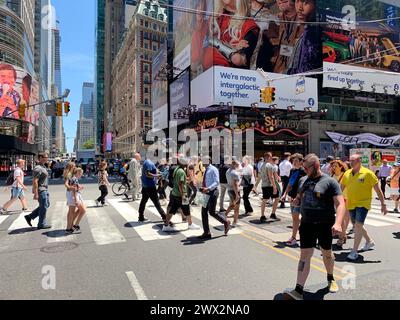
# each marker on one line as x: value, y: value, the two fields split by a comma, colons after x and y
x: 246, y: 181
x: 202, y: 199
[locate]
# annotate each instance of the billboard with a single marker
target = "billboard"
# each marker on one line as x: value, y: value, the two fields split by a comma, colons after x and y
x: 159, y: 89
x: 215, y: 35
x: 354, y: 51
x: 17, y: 86
x: 373, y: 158
x: 183, y: 30
x: 259, y: 40
x: 179, y: 91
x: 242, y: 88
x: 107, y: 142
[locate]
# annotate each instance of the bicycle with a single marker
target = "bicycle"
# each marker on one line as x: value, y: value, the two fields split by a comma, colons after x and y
x: 120, y: 187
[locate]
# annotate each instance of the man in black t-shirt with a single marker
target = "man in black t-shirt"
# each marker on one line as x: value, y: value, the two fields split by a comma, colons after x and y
x: 318, y: 195
x: 296, y: 174
x: 223, y: 168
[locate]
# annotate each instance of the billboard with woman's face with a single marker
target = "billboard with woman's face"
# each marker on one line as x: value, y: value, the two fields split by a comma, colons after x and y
x: 225, y: 42
x: 247, y: 34
x: 18, y: 87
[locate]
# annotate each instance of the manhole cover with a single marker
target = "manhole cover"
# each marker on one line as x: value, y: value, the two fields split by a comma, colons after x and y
x: 59, y: 247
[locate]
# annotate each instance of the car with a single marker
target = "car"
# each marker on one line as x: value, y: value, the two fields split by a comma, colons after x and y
x: 342, y: 52
x: 391, y: 60
x: 337, y: 37
x: 328, y: 54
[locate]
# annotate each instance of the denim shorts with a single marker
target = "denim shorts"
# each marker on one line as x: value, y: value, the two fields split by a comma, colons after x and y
x: 295, y: 210
x: 358, y: 215
x: 17, y: 193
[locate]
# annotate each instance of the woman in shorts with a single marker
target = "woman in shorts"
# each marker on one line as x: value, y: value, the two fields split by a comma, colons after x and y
x: 338, y: 168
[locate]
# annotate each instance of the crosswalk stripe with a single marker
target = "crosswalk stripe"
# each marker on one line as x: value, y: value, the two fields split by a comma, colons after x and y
x: 102, y: 227
x: 19, y: 223
x: 59, y: 224
x: 3, y: 218
x: 196, y: 212
x: 376, y: 223
x: 147, y: 231
x: 379, y: 216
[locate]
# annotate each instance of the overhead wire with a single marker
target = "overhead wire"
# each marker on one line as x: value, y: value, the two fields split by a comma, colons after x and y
x: 236, y: 17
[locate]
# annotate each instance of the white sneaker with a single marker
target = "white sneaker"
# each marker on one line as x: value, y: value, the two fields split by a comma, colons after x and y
x: 169, y: 229
x: 97, y: 203
x: 368, y: 245
x: 193, y: 226
x: 353, y: 255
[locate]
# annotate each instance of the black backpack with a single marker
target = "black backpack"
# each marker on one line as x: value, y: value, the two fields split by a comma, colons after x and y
x: 171, y: 175
x: 10, y: 179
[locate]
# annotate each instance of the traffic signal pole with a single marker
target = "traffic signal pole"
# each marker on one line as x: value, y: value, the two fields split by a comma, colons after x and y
x: 65, y: 95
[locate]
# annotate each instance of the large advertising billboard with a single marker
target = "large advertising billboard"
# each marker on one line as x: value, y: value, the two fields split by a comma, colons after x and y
x: 242, y: 88
x: 179, y: 96
x: 242, y: 36
x: 159, y: 89
x: 355, y: 49
x: 18, y: 87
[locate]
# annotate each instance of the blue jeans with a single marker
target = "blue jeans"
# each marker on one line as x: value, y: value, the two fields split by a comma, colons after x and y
x: 44, y: 204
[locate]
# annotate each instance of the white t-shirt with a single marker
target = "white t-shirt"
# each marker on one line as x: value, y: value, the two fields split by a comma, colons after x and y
x: 285, y: 168
x: 18, y: 173
x: 248, y: 171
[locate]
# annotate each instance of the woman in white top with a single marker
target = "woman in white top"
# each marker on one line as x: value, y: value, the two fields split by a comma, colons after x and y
x: 18, y: 188
x: 71, y: 203
x: 248, y: 182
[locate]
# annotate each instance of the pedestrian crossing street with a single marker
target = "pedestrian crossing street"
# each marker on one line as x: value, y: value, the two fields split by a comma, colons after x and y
x: 375, y: 218
x: 118, y: 221
x: 105, y: 228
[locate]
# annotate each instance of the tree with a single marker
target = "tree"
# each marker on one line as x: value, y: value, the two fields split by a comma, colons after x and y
x: 89, y: 144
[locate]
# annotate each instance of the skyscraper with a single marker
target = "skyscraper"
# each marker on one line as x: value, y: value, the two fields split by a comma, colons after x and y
x: 57, y: 130
x: 99, y: 72
x: 41, y: 66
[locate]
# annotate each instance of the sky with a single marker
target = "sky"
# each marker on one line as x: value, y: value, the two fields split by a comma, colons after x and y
x: 77, y: 30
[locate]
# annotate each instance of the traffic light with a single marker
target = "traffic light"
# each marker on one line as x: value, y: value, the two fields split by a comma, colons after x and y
x: 272, y: 90
x: 67, y: 107
x: 263, y: 94
x: 59, y: 109
x: 21, y: 110
x: 270, y: 95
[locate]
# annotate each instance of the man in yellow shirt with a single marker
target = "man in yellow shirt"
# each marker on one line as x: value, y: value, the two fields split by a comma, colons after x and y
x: 359, y: 182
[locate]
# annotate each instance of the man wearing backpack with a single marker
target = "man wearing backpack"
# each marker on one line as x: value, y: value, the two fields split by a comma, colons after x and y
x: 179, y: 198
x: 16, y: 181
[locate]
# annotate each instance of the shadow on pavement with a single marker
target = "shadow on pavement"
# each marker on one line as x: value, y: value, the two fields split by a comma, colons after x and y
x: 261, y: 223
x: 342, y: 257
x: 282, y: 245
x: 23, y: 230
x: 396, y: 235
x: 57, y: 233
x: 319, y: 295
x: 195, y: 240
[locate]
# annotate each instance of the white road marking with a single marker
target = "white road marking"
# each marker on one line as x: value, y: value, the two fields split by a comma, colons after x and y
x: 136, y: 286
x: 19, y: 223
x: 148, y: 231
x: 102, y: 227
x: 3, y: 218
x: 59, y: 224
x: 196, y: 212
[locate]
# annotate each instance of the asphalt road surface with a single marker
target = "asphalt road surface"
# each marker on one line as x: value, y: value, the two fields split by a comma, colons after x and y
x: 115, y: 257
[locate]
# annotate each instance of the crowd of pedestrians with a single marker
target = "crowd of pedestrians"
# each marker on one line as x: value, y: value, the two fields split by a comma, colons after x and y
x: 325, y: 200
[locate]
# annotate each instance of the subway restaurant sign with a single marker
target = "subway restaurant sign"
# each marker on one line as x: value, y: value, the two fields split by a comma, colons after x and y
x: 273, y: 123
